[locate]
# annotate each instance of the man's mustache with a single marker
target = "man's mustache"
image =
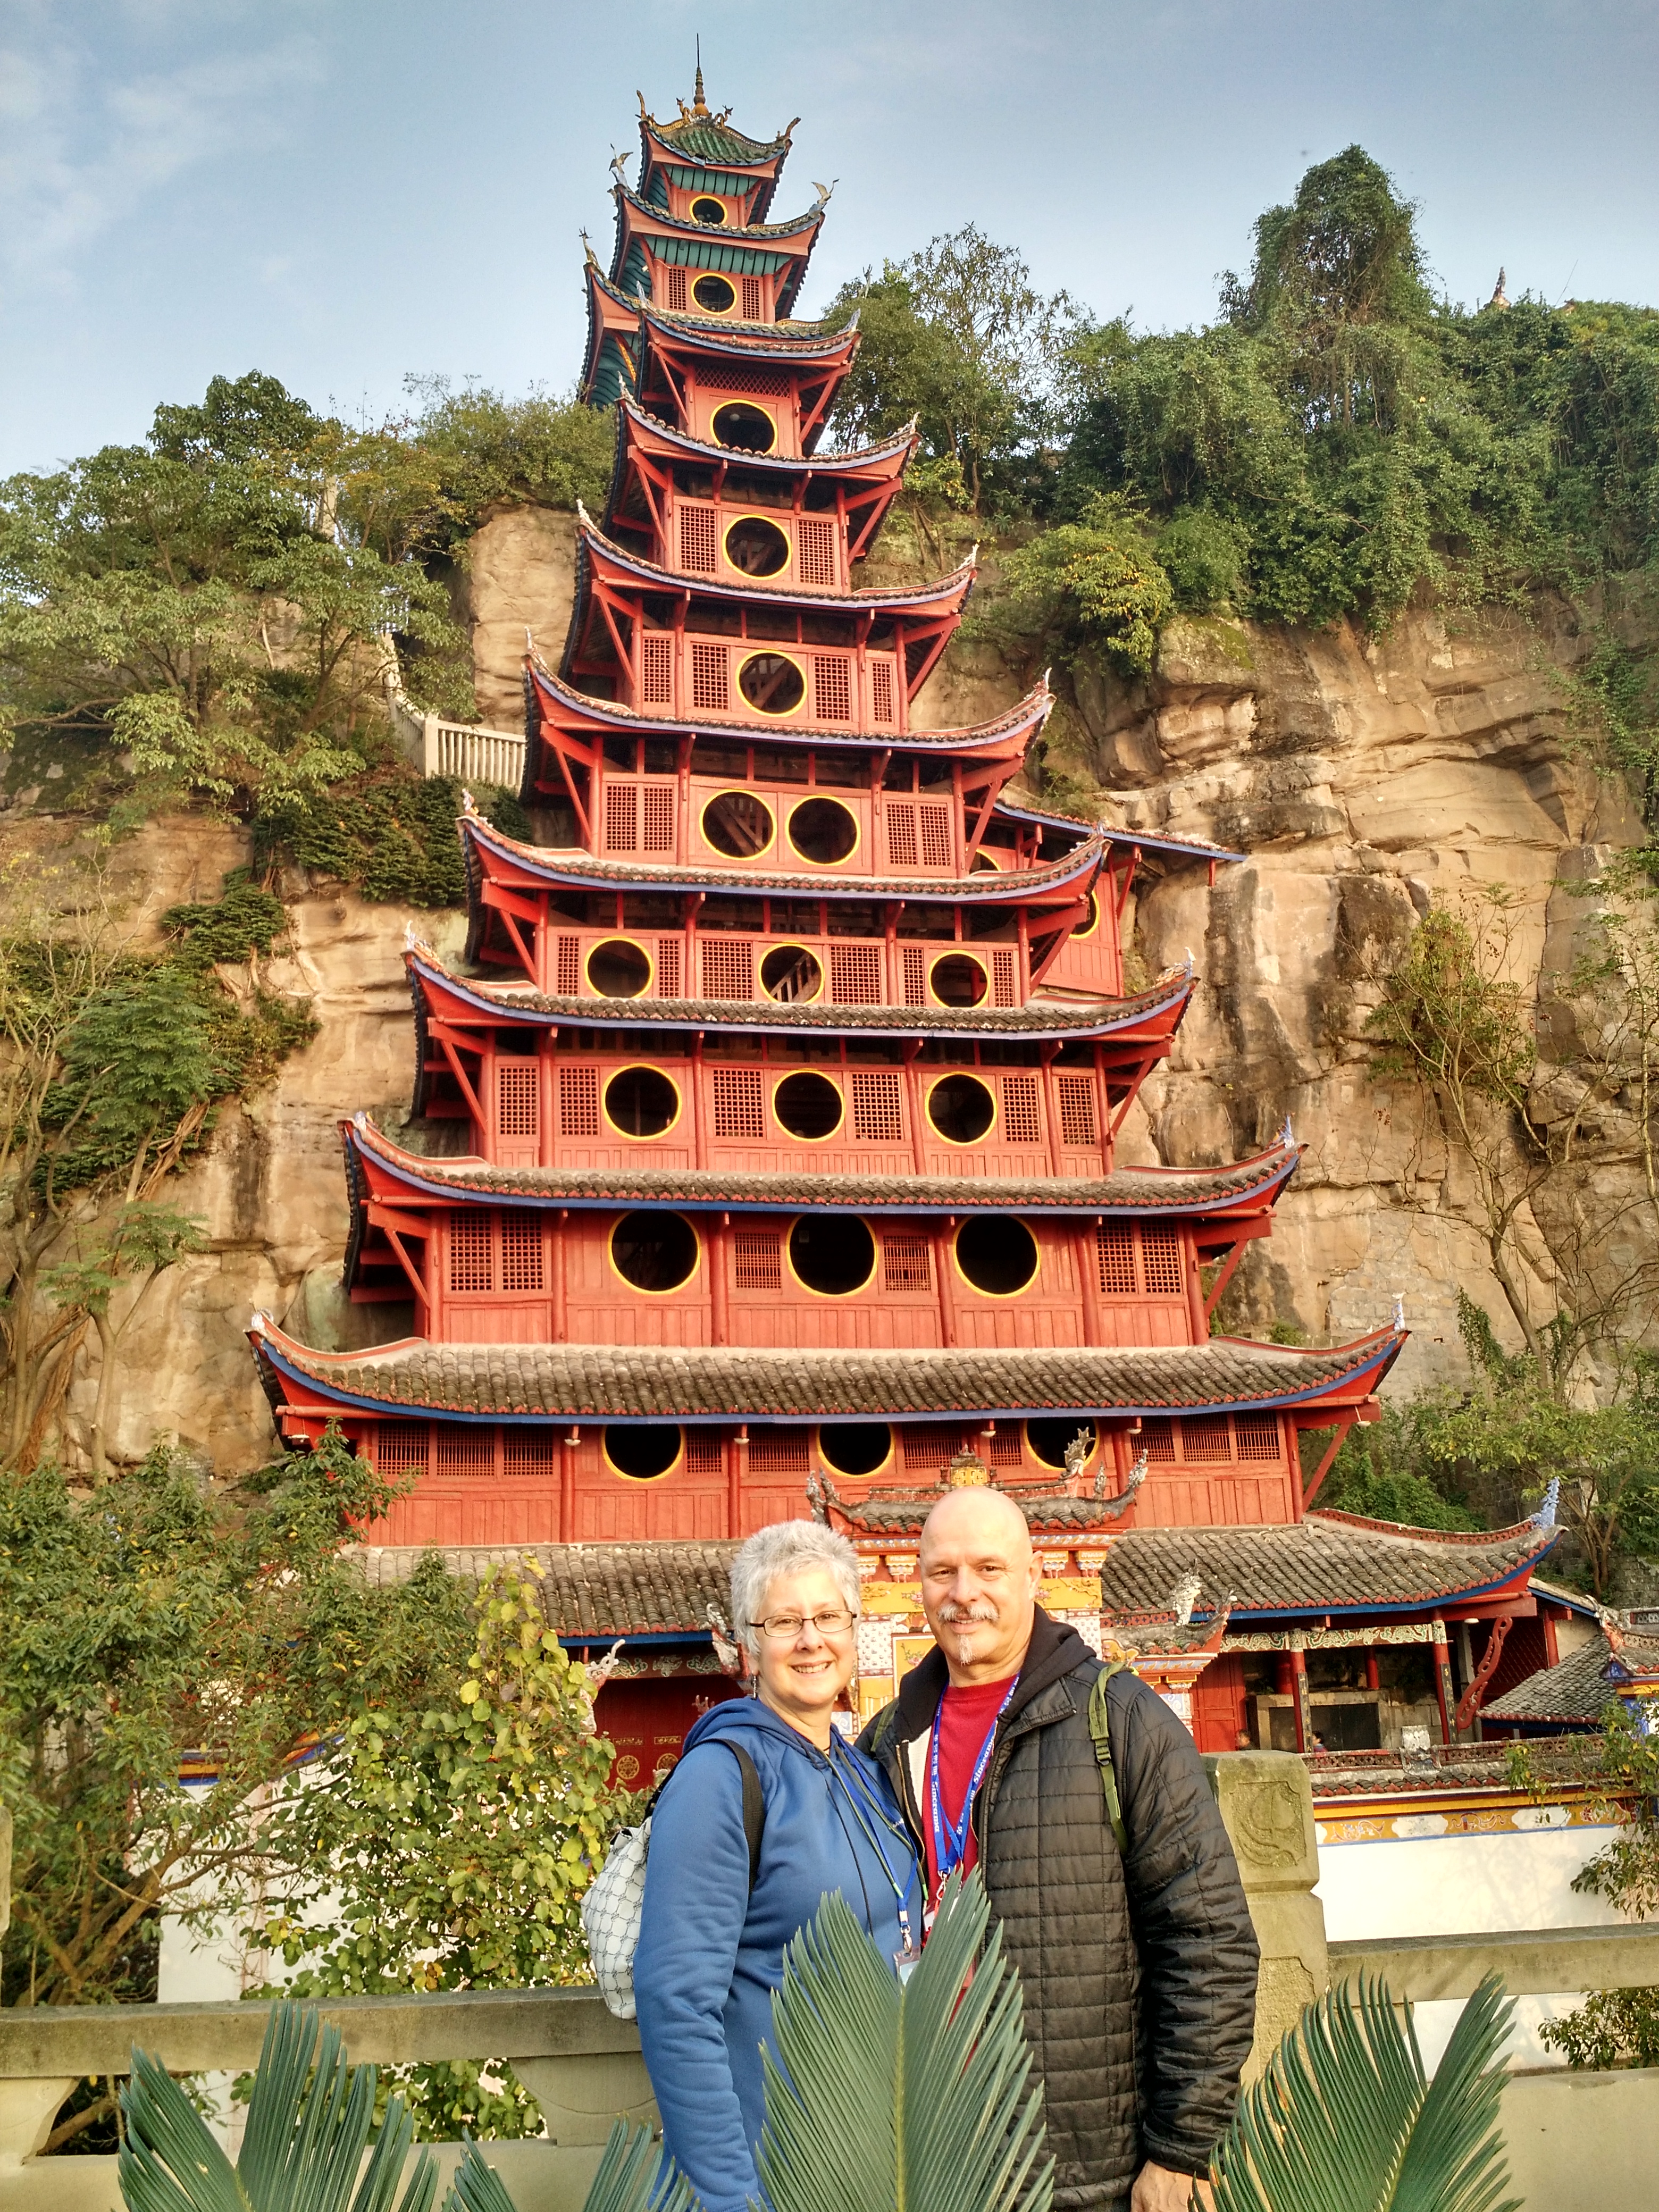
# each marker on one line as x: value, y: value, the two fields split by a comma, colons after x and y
x: 955, y: 1616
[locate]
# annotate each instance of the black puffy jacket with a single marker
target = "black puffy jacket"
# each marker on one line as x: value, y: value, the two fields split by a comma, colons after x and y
x: 1138, y: 1968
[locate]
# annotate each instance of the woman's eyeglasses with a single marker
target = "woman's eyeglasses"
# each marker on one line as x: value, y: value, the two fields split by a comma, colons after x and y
x: 785, y: 1627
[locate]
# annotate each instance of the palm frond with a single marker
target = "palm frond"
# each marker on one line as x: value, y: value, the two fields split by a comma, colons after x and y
x: 1345, y: 2119
x: 635, y: 2175
x: 917, y: 2096
x: 308, y: 2122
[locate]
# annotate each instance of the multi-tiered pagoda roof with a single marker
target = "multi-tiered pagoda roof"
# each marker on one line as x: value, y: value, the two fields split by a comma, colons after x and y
x: 764, y: 1149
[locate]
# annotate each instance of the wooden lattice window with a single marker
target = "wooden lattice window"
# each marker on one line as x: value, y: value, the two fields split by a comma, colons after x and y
x: 728, y: 969
x: 568, y: 965
x: 754, y: 299
x: 878, y: 1116
x: 739, y: 1107
x: 832, y: 690
x: 1205, y: 1437
x: 1255, y: 1436
x: 676, y: 291
x: 469, y: 1253
x: 1077, y: 1110
x: 579, y: 1102
x: 1001, y: 1448
x: 657, y: 818
x: 855, y: 975
x: 668, y: 967
x: 1115, y: 1249
x: 699, y: 539
x: 916, y: 975
x: 702, y: 1451
x: 709, y: 689
x: 521, y: 1251
x: 902, y: 835
x: 469, y: 1451
x: 622, y: 818
x: 815, y: 552
x: 929, y: 1445
x: 906, y: 1262
x: 1020, y: 1122
x: 756, y: 1260
x: 656, y: 670
x: 778, y: 1451
x: 1156, y: 1440
x: 935, y: 835
x: 516, y: 1088
x: 1004, y: 980
x: 400, y: 1447
x: 1160, y: 1260
x: 881, y: 691
x: 526, y: 1452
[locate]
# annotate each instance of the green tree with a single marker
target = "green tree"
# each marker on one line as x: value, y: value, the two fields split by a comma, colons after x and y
x: 1096, y: 581
x: 1620, y: 2027
x: 453, y: 1845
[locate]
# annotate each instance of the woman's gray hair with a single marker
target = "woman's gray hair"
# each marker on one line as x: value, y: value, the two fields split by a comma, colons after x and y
x: 787, y: 1547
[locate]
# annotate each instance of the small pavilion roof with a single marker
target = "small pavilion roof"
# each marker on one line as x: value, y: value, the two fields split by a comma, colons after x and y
x: 703, y: 135
x: 1573, y: 1693
x: 632, y: 1384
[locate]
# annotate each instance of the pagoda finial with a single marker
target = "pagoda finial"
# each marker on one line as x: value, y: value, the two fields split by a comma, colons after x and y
x: 699, y: 105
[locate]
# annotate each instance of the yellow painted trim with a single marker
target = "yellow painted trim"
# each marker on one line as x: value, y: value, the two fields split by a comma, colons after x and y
x: 745, y: 514
x: 742, y: 399
x: 959, y: 952
x: 847, y: 858
x: 696, y: 278
x: 788, y: 945
x: 1001, y: 1296
x: 627, y: 1136
x: 719, y: 202
x: 985, y: 1136
x: 622, y: 1474
x: 788, y: 1076
x: 1057, y: 1466
x: 679, y: 1288
x: 892, y: 1451
x: 1081, y: 936
x: 738, y: 791
x: 599, y: 945
x: 833, y: 1298
x: 759, y: 646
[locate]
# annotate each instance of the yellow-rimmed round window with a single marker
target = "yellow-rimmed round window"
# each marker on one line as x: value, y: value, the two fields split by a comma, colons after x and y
x: 619, y: 969
x: 958, y: 979
x: 743, y: 427
x: 1049, y: 1441
x: 654, y: 1250
x: 772, y: 683
x: 641, y: 1101
x: 641, y: 1450
x: 709, y: 211
x: 823, y: 832
x: 998, y: 1255
x: 833, y: 1253
x: 756, y: 547
x: 1091, y: 921
x: 985, y: 864
x: 808, y: 1106
x: 714, y: 295
x: 855, y: 1449
x: 790, y: 972
x: 961, y: 1108
x: 738, y: 825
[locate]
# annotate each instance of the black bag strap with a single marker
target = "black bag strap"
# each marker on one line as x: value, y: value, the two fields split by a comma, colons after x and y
x: 1100, y: 1730
x: 754, y: 1805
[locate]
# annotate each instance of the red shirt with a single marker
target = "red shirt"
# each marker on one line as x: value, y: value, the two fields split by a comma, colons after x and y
x: 966, y: 1717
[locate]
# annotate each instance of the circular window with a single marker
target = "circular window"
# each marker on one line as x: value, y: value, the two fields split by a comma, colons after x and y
x: 771, y: 682
x: 747, y: 429
x: 1048, y: 1439
x: 958, y: 980
x: 823, y: 830
x: 644, y: 1452
x: 713, y: 295
x: 655, y: 1251
x: 790, y: 971
x: 807, y: 1105
x: 833, y: 1253
x: 961, y: 1108
x: 757, y: 546
x: 996, y: 1253
x: 618, y: 969
x: 641, y: 1101
x: 855, y: 1448
x: 1090, y: 921
x: 984, y: 865
x: 707, y: 210
x: 738, y: 823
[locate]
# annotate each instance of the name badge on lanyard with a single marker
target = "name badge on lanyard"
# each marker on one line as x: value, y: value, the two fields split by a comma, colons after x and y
x: 951, y: 1838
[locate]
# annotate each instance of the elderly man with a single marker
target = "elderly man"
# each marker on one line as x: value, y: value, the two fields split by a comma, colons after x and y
x: 1138, y: 1963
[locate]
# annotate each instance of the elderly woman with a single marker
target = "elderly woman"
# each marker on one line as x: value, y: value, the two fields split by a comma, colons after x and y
x: 713, y: 1928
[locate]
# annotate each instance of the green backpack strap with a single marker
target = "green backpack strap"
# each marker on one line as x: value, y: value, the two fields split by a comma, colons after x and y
x: 1099, y: 1731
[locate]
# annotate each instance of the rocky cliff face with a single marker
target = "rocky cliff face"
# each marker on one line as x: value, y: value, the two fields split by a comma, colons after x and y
x: 1360, y: 781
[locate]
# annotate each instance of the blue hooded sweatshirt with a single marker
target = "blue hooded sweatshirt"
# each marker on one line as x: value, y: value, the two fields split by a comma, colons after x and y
x: 711, y: 1952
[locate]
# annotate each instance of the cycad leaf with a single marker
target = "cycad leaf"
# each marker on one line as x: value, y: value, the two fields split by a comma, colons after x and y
x: 1346, y: 2120
x: 308, y: 2121
x: 917, y: 2097
x: 635, y: 2176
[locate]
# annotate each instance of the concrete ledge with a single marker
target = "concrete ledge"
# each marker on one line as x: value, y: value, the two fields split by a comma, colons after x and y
x: 1534, y: 1962
x: 41, y: 2040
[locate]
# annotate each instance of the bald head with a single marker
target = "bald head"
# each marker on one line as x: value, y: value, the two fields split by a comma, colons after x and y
x: 979, y: 1583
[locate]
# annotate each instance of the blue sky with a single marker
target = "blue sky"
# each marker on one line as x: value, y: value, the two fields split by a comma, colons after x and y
x: 341, y: 193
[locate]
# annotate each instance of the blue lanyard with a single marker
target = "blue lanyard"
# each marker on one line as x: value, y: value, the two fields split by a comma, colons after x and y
x: 950, y: 1843
x: 900, y: 1890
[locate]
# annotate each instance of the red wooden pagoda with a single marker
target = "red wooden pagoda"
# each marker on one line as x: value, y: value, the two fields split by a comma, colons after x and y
x: 766, y: 1132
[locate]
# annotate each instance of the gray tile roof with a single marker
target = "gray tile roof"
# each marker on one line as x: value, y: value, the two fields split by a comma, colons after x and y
x: 1577, y: 1688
